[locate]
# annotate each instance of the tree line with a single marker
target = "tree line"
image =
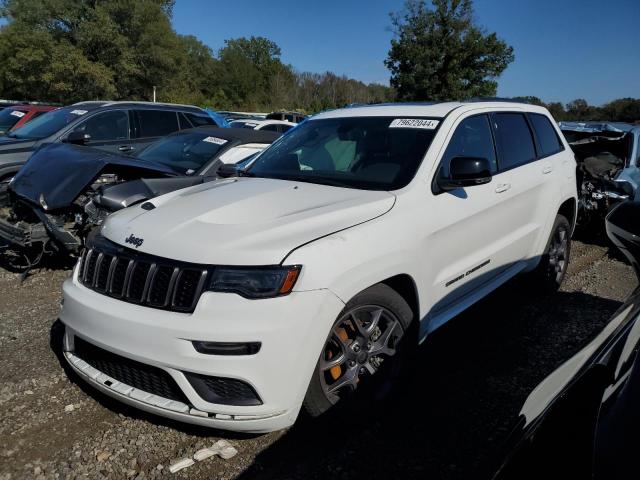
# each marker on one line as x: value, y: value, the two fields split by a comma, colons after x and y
x: 71, y: 50
x: 65, y: 51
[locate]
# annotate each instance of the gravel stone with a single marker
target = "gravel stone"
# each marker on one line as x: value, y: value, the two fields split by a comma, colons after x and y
x: 467, y: 383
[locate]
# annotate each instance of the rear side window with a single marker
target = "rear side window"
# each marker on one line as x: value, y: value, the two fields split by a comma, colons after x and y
x: 546, y: 134
x: 514, y: 140
x: 157, y: 123
x: 200, y: 120
x: 472, y: 138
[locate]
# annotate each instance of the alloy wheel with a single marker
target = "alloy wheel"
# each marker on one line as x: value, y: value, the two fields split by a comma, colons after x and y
x: 360, y: 342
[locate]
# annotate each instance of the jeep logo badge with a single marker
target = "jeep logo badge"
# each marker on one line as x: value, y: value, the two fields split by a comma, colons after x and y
x: 133, y: 240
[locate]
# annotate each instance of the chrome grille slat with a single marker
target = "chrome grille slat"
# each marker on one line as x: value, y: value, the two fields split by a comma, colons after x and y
x: 142, y: 279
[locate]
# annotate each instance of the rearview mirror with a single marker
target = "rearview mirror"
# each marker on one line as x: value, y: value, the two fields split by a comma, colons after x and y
x: 77, y: 138
x: 466, y: 172
x: 623, y: 228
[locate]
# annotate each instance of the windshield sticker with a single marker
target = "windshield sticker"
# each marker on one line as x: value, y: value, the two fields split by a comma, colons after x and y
x: 216, y: 140
x: 414, y: 123
x: 78, y: 112
x: 191, y: 171
x: 18, y: 114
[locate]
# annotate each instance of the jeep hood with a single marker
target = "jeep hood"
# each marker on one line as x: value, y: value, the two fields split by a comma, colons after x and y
x: 61, y: 172
x: 243, y: 221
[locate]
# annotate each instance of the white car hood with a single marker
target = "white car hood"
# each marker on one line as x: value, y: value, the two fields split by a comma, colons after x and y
x: 243, y: 221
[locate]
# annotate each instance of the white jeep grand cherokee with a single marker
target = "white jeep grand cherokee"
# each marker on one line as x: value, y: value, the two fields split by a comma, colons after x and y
x: 308, y: 277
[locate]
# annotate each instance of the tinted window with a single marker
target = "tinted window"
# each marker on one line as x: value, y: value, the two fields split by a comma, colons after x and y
x: 285, y: 128
x: 359, y: 152
x: 514, y: 140
x: 200, y: 120
x: 472, y: 138
x: 113, y: 125
x: 157, y: 123
x: 547, y: 137
x: 184, y: 152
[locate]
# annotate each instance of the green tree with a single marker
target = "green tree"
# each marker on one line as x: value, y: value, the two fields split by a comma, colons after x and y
x: 438, y: 53
x: 580, y: 109
x: 87, y: 49
x: 622, y: 110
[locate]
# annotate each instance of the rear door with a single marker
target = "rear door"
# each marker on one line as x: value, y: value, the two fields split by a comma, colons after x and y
x: 109, y: 130
x: 531, y: 191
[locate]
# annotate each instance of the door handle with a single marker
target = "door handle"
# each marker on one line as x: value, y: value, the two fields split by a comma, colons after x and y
x: 547, y: 169
x: 125, y: 148
x: 503, y: 187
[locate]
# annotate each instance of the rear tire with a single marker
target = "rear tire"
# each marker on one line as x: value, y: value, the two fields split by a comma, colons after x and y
x: 550, y: 272
x: 363, y: 360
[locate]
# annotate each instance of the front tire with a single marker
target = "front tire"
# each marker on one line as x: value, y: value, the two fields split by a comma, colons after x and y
x: 550, y: 272
x: 364, y: 351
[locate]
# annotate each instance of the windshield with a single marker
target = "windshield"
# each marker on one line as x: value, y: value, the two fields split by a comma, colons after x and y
x: 9, y: 117
x: 371, y: 153
x: 185, y: 153
x: 48, y: 124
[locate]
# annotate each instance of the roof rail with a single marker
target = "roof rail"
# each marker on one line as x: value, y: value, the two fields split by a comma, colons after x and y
x: 496, y: 99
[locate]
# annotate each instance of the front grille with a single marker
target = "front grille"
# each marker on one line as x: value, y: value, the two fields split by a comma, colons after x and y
x: 140, y: 278
x: 225, y: 391
x: 135, y: 374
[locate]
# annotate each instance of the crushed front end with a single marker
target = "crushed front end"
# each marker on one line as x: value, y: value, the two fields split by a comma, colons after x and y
x: 606, y: 172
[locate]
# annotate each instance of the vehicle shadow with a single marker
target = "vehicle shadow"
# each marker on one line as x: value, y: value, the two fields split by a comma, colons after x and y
x: 453, y: 412
x: 451, y: 417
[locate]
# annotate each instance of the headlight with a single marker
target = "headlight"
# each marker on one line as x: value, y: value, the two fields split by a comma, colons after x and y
x: 255, y: 282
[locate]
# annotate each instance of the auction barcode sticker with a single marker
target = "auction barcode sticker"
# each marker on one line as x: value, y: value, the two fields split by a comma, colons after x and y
x: 216, y: 140
x: 78, y: 112
x: 17, y: 113
x: 414, y: 123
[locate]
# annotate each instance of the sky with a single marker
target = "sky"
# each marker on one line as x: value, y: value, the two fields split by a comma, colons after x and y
x: 564, y: 49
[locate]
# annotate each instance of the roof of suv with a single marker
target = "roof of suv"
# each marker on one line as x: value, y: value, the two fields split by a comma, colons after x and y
x: 422, y: 109
x: 92, y: 105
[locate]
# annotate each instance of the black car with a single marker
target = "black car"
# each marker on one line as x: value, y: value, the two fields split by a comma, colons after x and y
x: 583, y: 420
x: 119, y: 127
x: 65, y: 190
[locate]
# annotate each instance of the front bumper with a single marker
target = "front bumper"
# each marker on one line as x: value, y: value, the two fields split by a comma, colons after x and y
x: 291, y: 329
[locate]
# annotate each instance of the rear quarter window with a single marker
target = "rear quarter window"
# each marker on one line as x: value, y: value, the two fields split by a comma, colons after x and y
x: 546, y: 134
x: 157, y: 123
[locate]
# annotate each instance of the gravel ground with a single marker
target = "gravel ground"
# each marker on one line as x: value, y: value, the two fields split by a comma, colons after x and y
x: 451, y: 416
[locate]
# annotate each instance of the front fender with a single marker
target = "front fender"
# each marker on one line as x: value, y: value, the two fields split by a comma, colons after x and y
x: 349, y: 261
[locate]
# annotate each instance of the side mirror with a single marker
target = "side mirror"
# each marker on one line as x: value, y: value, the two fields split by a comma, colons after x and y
x: 623, y: 228
x: 466, y: 172
x: 77, y: 138
x: 227, y: 170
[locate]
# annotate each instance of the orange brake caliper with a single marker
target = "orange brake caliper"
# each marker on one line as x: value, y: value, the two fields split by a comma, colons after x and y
x: 336, y: 371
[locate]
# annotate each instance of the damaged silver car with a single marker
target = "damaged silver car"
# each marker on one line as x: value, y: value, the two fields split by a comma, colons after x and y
x: 608, y: 157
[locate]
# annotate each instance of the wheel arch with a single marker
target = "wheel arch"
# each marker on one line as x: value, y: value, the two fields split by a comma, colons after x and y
x: 568, y: 209
x: 405, y: 286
